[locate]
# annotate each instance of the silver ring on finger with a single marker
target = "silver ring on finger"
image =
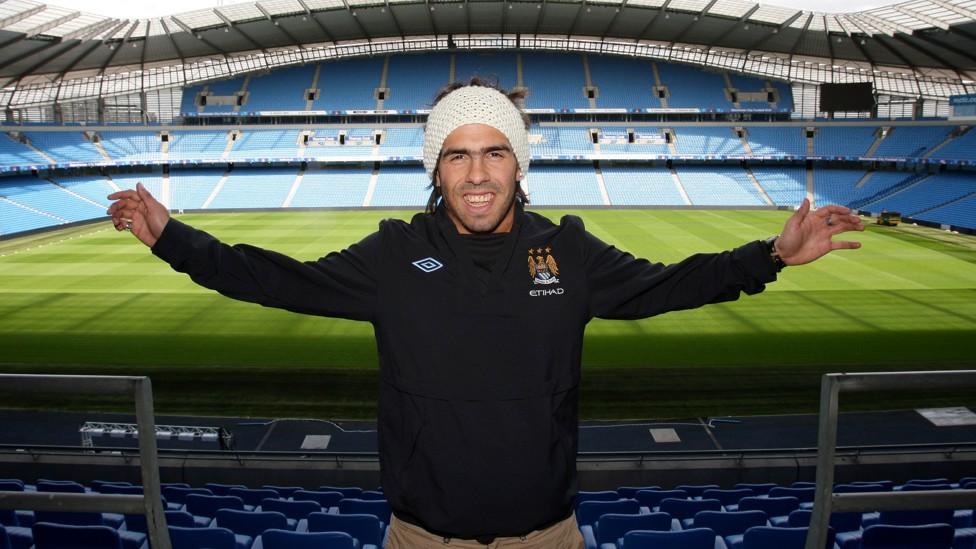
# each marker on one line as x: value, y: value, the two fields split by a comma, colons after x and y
x: 829, y: 220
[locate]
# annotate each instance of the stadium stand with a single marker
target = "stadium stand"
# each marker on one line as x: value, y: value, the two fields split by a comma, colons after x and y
x: 939, y: 195
x: 607, y: 519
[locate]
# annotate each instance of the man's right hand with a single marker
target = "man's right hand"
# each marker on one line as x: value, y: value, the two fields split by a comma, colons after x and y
x: 137, y: 211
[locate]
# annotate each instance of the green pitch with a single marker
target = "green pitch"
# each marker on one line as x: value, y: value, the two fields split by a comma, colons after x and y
x: 89, y: 300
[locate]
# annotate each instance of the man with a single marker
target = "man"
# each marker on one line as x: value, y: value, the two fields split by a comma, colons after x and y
x: 479, y: 309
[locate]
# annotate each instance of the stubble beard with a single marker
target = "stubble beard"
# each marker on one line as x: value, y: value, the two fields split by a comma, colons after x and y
x: 489, y: 223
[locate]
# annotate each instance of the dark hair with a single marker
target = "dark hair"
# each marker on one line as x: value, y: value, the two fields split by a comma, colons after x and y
x: 516, y: 96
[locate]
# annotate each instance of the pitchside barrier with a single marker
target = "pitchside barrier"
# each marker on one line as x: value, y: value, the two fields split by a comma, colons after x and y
x: 826, y: 501
x: 150, y: 503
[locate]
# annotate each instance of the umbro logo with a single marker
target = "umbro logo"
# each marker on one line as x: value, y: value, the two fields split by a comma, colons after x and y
x: 427, y: 264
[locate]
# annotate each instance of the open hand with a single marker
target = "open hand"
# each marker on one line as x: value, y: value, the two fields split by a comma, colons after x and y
x: 137, y: 211
x: 808, y: 236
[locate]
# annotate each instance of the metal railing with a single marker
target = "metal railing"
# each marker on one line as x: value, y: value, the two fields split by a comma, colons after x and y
x: 825, y: 500
x: 150, y: 503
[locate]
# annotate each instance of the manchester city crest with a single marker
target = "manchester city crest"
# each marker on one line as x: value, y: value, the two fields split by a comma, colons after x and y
x: 542, y: 266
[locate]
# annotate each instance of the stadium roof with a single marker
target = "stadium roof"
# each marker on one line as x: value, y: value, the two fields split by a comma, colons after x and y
x: 43, y: 43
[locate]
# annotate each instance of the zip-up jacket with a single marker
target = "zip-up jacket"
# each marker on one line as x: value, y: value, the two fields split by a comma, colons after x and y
x: 478, y: 398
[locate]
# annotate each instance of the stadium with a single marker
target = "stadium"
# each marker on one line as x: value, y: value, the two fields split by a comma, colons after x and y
x: 669, y: 127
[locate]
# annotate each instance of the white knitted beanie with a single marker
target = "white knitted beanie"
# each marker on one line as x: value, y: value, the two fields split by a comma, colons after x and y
x: 475, y: 105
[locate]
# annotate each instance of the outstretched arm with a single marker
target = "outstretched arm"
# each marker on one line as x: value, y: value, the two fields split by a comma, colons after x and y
x: 137, y: 211
x: 808, y: 236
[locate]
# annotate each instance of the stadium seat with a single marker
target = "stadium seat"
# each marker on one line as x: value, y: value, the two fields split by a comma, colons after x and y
x: 250, y: 523
x: 252, y: 497
x: 840, y: 522
x: 176, y: 495
x: 204, y: 508
x: 611, y: 528
x: 366, y: 529
x: 221, y: 489
x: 370, y: 495
x: 202, y: 538
x: 695, y: 491
x: 284, y: 492
x: 379, y: 508
x: 326, y: 500
x: 728, y: 498
x: 652, y: 498
x: 589, y: 512
x: 285, y: 539
x: 49, y: 535
x: 347, y: 491
x: 4, y: 540
x: 101, y: 485
x: 775, y: 537
x: 138, y: 523
x: 684, y: 510
x: 81, y: 518
x: 695, y: 538
x: 773, y: 507
x: 628, y: 492
x: 729, y: 523
x: 760, y: 488
x: 19, y: 537
x: 603, y: 495
x: 802, y: 494
x: 890, y: 536
x: 292, y: 509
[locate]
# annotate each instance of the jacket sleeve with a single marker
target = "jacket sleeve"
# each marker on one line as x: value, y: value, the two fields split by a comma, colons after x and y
x: 625, y: 287
x: 341, y: 284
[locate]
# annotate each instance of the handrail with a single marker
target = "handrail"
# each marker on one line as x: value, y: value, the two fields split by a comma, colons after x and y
x: 825, y: 500
x: 150, y: 503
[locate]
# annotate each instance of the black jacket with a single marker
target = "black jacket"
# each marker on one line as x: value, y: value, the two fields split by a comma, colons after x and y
x: 478, y: 403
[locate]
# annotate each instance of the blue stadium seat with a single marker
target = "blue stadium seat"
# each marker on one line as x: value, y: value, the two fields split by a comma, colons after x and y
x: 652, y: 498
x: 611, y: 528
x: 294, y: 510
x: 684, y: 510
x: 252, y: 497
x: 286, y: 539
x: 379, y: 508
x: 695, y: 538
x: 202, y: 538
x: 889, y: 536
x: 366, y: 529
x: 204, y: 507
x: 728, y: 498
x: 250, y: 523
x: 775, y: 537
x: 589, y: 512
x: 326, y: 500
x: 48, y: 535
x: 729, y: 523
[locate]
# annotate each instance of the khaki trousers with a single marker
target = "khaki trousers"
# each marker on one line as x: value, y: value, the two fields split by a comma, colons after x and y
x: 562, y: 535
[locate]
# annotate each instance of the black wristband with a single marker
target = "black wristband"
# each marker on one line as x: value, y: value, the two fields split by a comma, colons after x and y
x: 770, y: 244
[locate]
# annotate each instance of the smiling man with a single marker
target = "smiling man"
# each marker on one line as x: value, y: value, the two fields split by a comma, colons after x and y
x: 479, y: 309
x: 476, y: 150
